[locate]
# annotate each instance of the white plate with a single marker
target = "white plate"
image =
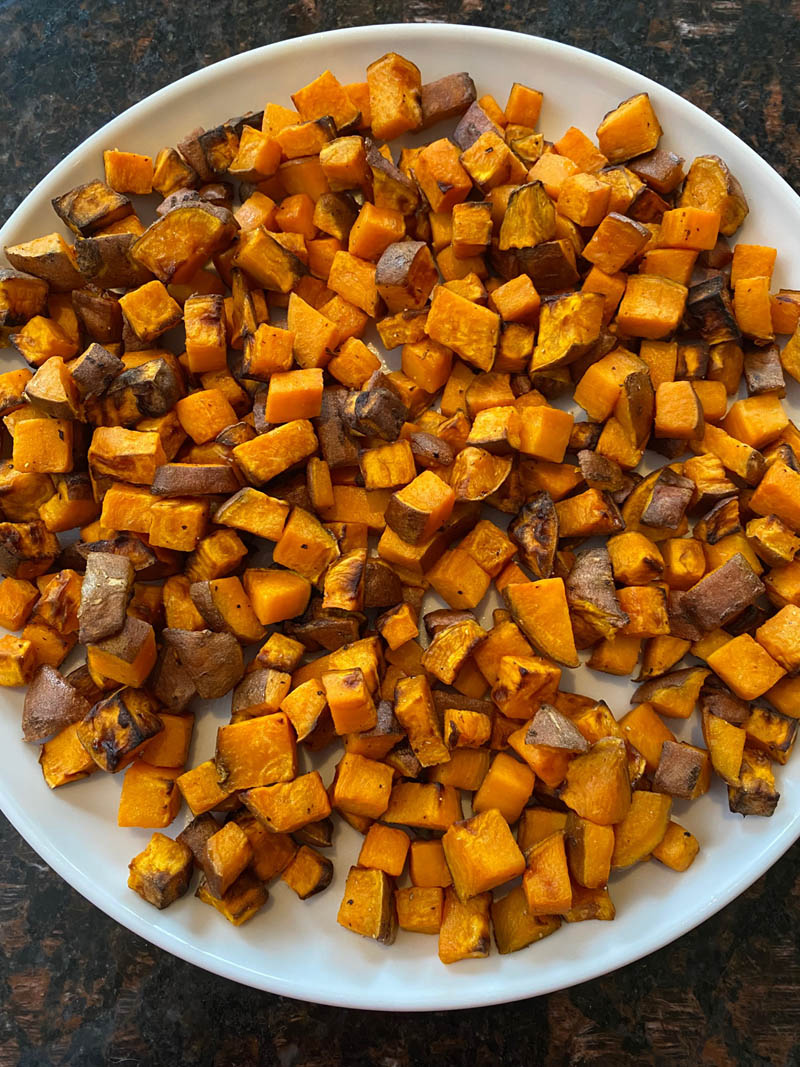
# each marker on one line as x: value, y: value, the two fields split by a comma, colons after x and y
x: 295, y: 948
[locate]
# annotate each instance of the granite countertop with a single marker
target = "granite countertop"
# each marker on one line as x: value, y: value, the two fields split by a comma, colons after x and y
x: 76, y: 988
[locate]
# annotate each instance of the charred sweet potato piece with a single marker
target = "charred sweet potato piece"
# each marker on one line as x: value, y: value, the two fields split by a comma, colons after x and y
x: 535, y: 532
x: 161, y: 873
x: 27, y: 549
x: 116, y: 729
x: 591, y: 595
x: 755, y: 793
x: 711, y: 186
x: 450, y: 648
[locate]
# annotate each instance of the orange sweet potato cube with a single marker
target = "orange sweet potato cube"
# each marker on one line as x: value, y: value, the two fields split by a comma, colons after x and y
x: 745, y: 666
x: 385, y: 848
x: 545, y: 432
x: 350, y: 701
x: 362, y: 786
x: 481, y: 853
x: 149, y: 797
x: 652, y: 307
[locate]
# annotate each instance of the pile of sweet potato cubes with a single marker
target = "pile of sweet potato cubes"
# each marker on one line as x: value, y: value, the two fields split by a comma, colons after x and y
x: 200, y: 388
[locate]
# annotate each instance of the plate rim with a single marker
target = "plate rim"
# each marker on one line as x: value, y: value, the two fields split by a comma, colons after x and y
x: 116, y: 908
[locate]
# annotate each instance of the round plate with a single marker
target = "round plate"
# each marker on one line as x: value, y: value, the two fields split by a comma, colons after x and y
x: 296, y: 948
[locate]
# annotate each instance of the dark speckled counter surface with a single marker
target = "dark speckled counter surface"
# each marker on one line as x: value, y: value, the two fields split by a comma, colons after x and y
x: 76, y: 988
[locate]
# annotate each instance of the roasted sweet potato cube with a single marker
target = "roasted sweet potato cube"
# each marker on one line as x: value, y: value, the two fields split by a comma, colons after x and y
x: 646, y: 732
x: 18, y: 660
x: 170, y: 747
x: 722, y: 594
x: 214, y: 661
x: 367, y: 906
x: 225, y: 856
x: 589, y: 851
x: 546, y: 882
x: 245, y: 897
x: 481, y: 854
x: 642, y: 829
x: 746, y: 667
x: 631, y: 129
x: 126, y: 657
x: 200, y: 788
x: 362, y: 786
x: 308, y: 872
x: 646, y: 608
x: 470, y: 330
x: 446, y: 98
x: 161, y: 873
x: 755, y: 793
x: 514, y: 925
x: 256, y: 752
x: 489, y: 162
x: 275, y: 451
x: 395, y: 86
x: 771, y: 732
x: 149, y: 796
x: 419, y: 909
x: 506, y: 787
x: 398, y: 625
x: 91, y: 207
x: 459, y: 580
x: 417, y: 511
x: 568, y: 327
x: 652, y: 307
x: 450, y: 648
x: 430, y: 805
x: 541, y: 611
x: 616, y: 241
x: 427, y: 865
x: 385, y: 849
x: 725, y: 743
x: 288, y: 806
x: 683, y: 771
x: 467, y: 729
x: 226, y: 607
x: 178, y: 243
x: 261, y: 692
x: 304, y: 705
x: 779, y: 636
x: 51, y: 704
x: 43, y: 446
x: 349, y: 699
x: 415, y: 712
x: 64, y: 759
x: 105, y: 592
x: 464, y: 933
x: 117, y: 728
x: 598, y: 786
x: 523, y: 682
x: 678, y: 848
x: 674, y: 694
